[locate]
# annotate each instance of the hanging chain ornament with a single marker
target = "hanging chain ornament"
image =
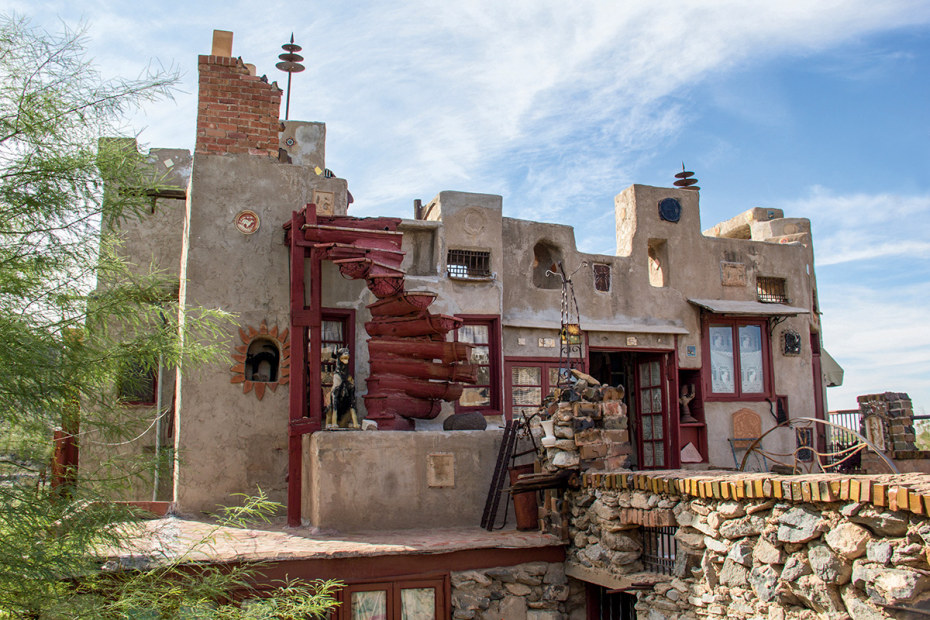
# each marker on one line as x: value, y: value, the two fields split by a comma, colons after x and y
x: 570, y: 334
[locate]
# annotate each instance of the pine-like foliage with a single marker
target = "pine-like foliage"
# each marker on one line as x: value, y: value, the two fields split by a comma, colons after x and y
x: 73, y: 318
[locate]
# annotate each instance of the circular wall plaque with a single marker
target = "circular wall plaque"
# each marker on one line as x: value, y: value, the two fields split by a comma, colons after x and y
x: 247, y: 222
x: 475, y: 221
x: 670, y: 209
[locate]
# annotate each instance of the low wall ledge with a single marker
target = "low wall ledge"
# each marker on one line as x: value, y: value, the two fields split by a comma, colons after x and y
x: 905, y: 492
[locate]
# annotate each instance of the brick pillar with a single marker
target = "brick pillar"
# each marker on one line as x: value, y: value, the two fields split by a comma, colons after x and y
x: 896, y: 411
x: 236, y: 112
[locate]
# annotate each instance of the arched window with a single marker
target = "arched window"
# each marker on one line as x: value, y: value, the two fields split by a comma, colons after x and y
x: 262, y: 361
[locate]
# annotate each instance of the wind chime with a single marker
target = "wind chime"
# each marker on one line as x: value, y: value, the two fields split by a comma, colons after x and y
x: 570, y: 335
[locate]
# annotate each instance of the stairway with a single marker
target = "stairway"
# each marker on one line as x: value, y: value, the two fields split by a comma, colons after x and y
x: 412, y: 367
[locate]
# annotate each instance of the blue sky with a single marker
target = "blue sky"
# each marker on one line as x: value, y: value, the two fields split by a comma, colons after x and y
x: 820, y: 109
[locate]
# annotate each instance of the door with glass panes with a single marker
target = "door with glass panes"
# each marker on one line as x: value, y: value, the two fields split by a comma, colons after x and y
x: 652, y: 411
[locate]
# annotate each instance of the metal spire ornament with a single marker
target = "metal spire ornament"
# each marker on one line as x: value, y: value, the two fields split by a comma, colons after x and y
x: 290, y: 63
x: 684, y: 179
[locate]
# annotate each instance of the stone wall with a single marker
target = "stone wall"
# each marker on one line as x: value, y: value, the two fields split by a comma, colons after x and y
x: 759, y: 546
x: 532, y: 591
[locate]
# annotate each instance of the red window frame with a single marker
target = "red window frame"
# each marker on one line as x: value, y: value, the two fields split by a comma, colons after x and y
x: 734, y: 323
x: 543, y: 363
x: 493, y: 322
x: 392, y: 588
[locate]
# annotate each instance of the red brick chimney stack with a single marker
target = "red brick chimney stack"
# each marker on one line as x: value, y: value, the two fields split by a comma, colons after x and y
x: 237, y: 112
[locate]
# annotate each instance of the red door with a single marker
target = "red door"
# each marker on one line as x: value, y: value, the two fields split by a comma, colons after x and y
x: 652, y: 418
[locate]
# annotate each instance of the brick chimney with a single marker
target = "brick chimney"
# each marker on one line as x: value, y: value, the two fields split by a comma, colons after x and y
x: 237, y: 112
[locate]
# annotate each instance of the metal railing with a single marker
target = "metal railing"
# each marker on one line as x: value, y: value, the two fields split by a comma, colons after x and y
x: 659, y: 548
x: 838, y: 440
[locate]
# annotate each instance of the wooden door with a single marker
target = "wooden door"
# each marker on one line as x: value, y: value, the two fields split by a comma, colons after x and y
x: 652, y: 411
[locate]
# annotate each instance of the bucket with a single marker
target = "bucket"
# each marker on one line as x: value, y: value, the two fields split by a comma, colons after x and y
x: 525, y: 508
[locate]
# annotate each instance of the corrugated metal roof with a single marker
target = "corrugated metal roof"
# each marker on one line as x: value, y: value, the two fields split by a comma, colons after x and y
x: 754, y: 308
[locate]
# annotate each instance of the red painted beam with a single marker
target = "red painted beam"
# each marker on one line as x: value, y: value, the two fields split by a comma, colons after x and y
x: 298, y: 381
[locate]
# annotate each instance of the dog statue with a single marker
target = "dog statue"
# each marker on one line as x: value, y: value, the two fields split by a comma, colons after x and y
x: 341, y: 410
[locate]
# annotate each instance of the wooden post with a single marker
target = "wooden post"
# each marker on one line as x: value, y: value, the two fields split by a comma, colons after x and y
x: 298, y: 383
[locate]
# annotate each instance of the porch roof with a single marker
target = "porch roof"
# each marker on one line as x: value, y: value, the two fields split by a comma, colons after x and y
x: 621, y: 324
x: 753, y: 308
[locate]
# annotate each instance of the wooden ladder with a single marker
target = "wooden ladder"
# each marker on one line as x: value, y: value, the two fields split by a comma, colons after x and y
x: 501, y: 472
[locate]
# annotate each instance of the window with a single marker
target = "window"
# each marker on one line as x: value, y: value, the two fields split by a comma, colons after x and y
x: 483, y: 333
x: 407, y: 599
x: 608, y: 604
x: 138, y: 385
x: 737, y: 354
x: 529, y: 382
x: 659, y: 548
x: 469, y: 264
x: 771, y: 290
x: 601, y: 277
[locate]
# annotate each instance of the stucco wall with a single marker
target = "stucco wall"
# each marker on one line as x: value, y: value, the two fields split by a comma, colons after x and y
x: 381, y: 480
x: 229, y: 441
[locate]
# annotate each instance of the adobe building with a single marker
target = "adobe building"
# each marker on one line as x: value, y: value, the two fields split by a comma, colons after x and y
x: 714, y: 336
x: 727, y: 316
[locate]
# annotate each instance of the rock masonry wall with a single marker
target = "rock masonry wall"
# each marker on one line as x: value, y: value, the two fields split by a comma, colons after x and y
x: 761, y: 546
x: 589, y: 432
x: 532, y: 591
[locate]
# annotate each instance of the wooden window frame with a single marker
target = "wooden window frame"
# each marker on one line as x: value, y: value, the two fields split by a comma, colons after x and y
x: 602, y: 276
x: 493, y: 322
x: 392, y: 587
x: 544, y: 363
x: 734, y: 323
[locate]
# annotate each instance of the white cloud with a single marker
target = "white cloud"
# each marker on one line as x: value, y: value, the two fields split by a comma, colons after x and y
x: 431, y: 95
x: 857, y: 227
x: 551, y: 105
x: 874, y: 288
x: 880, y: 337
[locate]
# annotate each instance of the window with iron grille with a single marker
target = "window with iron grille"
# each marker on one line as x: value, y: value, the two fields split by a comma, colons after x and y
x: 601, y: 277
x: 771, y: 290
x: 469, y: 264
x: 659, y: 549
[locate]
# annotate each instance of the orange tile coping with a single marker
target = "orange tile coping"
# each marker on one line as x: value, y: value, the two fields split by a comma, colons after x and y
x: 906, y: 492
x: 173, y: 537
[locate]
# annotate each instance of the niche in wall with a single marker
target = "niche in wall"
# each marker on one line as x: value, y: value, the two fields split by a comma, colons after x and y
x: 658, y: 262
x: 546, y: 256
x: 262, y: 360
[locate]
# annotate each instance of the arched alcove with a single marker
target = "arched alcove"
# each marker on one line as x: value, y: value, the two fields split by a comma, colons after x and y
x: 262, y: 361
x: 546, y: 256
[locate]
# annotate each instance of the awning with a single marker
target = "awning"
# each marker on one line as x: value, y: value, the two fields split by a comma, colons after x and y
x: 625, y: 325
x: 752, y: 308
x: 831, y: 371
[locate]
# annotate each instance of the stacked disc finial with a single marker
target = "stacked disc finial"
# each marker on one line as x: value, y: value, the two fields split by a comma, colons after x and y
x: 684, y: 180
x: 290, y: 63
